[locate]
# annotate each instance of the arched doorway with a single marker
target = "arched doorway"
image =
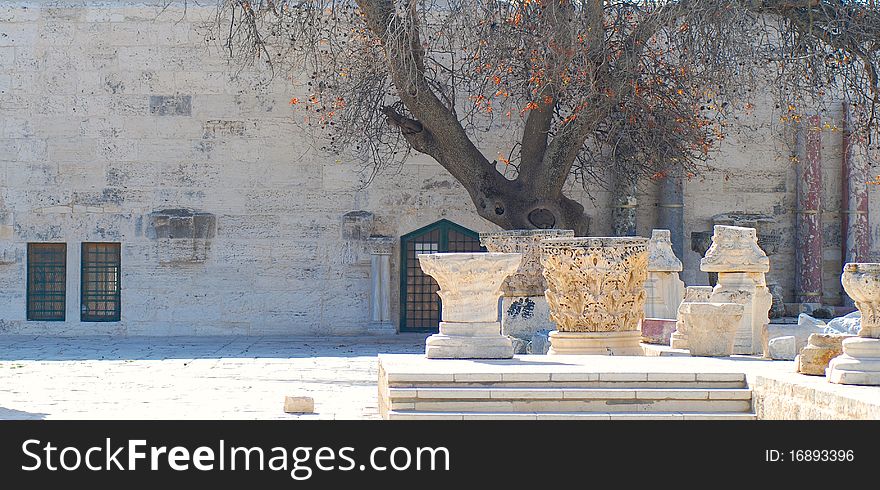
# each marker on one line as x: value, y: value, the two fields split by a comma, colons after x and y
x: 419, y: 304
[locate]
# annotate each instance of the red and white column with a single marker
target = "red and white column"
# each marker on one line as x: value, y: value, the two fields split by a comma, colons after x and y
x: 808, y: 255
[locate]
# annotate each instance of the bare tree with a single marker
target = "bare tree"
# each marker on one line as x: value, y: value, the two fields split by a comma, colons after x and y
x: 577, y: 86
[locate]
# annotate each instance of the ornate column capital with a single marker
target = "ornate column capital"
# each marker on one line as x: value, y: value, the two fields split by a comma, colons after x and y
x: 661, y: 258
x: 528, y: 279
x: 735, y: 249
x: 380, y: 245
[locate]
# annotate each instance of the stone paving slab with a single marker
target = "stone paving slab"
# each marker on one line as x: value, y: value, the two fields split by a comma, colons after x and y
x: 191, y: 377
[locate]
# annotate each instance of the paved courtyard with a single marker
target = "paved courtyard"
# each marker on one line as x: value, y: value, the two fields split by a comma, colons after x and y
x: 191, y: 377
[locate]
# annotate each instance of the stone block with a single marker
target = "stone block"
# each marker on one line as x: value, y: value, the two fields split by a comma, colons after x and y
x: 820, y: 349
x: 299, y: 404
x: 658, y: 330
x: 711, y: 327
x: 171, y: 105
x: 801, y: 331
x: 783, y: 348
x: 357, y: 225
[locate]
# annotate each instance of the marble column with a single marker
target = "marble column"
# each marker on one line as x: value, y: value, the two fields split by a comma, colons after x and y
x: 524, y: 309
x: 860, y: 362
x: 808, y: 249
x: 670, y: 212
x: 624, y: 205
x: 854, y: 205
x: 380, y: 285
x: 693, y: 294
x: 665, y: 290
x: 596, y: 293
x: 741, y: 266
x: 470, y: 286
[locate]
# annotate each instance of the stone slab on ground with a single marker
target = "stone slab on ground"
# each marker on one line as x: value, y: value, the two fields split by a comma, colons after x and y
x: 299, y: 404
x: 656, y: 350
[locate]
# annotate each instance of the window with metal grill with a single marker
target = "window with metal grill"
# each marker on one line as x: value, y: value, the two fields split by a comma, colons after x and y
x: 100, y: 300
x: 46, y: 281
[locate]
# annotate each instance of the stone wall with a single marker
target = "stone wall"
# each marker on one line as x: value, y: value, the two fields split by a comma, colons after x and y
x: 119, y: 122
x: 792, y: 396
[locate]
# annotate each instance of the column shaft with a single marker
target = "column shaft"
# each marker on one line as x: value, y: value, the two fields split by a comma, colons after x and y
x: 808, y: 256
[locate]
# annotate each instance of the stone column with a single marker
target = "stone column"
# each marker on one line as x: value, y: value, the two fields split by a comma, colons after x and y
x: 596, y: 293
x: 670, y: 213
x: 860, y: 362
x: 693, y: 294
x: 854, y: 205
x: 380, y: 285
x: 524, y: 309
x: 808, y: 251
x: 741, y: 266
x: 624, y: 205
x: 470, y: 285
x: 665, y: 290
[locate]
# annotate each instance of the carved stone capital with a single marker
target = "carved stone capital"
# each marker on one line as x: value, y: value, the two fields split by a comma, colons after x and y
x: 661, y: 258
x: 595, y: 284
x: 470, y: 283
x: 528, y: 280
x: 735, y: 249
x: 861, y: 281
x: 380, y: 245
x: 711, y: 327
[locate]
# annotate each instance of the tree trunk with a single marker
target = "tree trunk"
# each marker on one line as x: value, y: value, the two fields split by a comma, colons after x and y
x: 513, y: 207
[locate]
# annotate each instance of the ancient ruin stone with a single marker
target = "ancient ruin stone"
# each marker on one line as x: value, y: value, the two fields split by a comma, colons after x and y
x: 820, y: 349
x: 711, y: 327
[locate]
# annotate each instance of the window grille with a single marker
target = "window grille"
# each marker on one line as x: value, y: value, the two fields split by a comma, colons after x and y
x: 46, y: 281
x: 100, y: 293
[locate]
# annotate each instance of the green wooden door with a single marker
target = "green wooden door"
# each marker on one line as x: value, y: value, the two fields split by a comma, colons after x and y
x: 419, y: 304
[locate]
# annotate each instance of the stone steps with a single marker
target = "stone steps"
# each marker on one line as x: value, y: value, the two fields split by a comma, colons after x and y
x: 425, y: 415
x: 582, y: 388
x: 570, y: 400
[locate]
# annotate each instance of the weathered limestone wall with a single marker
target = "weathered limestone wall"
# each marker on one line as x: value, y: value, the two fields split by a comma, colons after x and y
x: 791, y: 396
x: 113, y: 113
x: 119, y: 122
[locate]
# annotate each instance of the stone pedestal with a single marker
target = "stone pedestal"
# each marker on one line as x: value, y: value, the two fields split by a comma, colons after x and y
x: 524, y: 310
x: 860, y: 362
x: 741, y: 266
x: 596, y: 294
x: 470, y: 285
x: 664, y: 288
x: 711, y: 327
x: 380, y: 286
x: 625, y: 343
x: 693, y: 294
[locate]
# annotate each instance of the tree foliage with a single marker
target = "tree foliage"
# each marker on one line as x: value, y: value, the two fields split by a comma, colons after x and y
x: 577, y: 87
